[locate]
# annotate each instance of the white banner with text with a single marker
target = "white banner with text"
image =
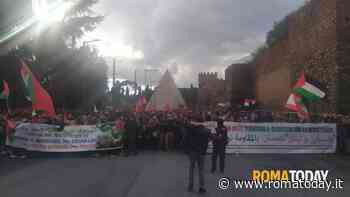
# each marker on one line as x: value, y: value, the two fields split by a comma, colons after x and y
x: 52, y: 138
x: 279, y: 137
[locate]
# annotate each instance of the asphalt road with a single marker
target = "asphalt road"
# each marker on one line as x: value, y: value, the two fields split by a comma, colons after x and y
x: 152, y: 174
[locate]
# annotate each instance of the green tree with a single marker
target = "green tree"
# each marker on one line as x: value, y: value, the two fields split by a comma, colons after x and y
x: 80, y: 19
x: 76, y: 77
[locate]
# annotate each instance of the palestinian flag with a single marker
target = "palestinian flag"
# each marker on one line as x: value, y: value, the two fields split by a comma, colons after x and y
x: 5, y: 90
x: 307, y: 90
x: 40, y: 98
x: 295, y: 103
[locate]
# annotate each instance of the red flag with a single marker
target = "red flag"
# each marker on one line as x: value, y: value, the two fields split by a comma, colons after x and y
x: 40, y: 98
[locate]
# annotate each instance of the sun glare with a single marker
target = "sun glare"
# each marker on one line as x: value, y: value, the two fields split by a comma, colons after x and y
x: 118, y: 49
x: 50, y: 12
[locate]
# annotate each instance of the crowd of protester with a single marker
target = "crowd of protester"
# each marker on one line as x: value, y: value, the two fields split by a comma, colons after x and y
x: 156, y: 130
x: 268, y: 116
x: 164, y: 131
x: 142, y: 131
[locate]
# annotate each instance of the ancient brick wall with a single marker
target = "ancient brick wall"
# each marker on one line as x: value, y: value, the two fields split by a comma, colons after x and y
x: 211, y: 90
x: 267, y: 88
x: 240, y: 82
x: 310, y: 46
x: 343, y: 55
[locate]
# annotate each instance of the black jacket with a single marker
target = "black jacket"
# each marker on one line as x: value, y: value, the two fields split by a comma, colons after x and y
x: 131, y: 128
x: 220, y: 137
x: 197, y: 139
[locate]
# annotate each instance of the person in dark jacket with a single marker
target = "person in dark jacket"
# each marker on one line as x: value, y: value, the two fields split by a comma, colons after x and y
x: 197, y: 143
x: 131, y: 128
x: 220, y: 140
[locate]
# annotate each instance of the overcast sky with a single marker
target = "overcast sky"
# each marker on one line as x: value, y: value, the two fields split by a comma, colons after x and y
x: 184, y: 36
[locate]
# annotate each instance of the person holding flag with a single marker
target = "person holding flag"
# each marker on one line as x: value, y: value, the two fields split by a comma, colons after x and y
x: 40, y: 98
